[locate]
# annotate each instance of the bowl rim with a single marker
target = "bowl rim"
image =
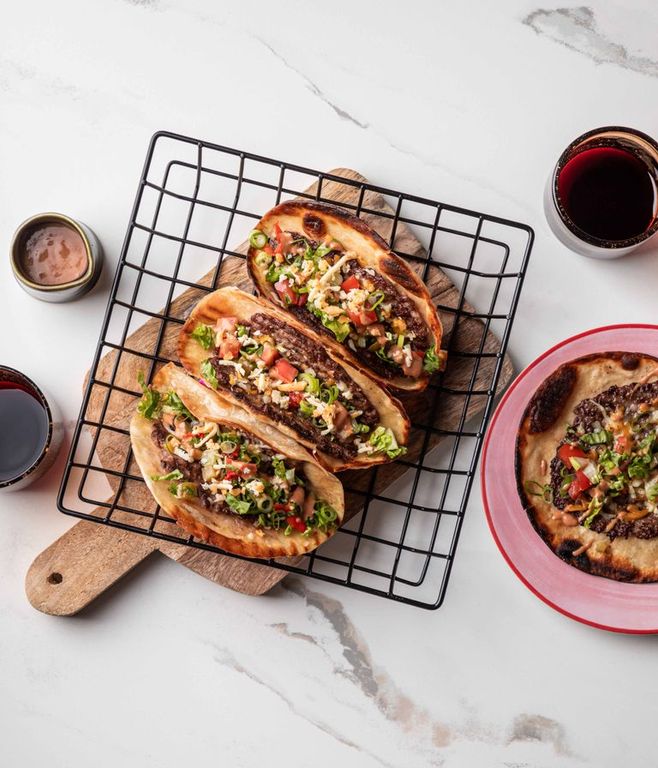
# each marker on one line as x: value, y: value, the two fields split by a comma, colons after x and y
x: 45, y: 217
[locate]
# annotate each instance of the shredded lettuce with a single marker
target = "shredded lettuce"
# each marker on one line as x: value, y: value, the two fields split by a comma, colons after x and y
x: 279, y: 467
x: 383, y: 440
x: 651, y: 489
x: 172, y: 401
x: 593, y: 510
x: 433, y: 361
x: 639, y: 467
x: 205, y: 335
x: 181, y: 490
x: 340, y: 330
x: 240, y: 507
x: 149, y: 406
x: 176, y: 474
x: 208, y: 374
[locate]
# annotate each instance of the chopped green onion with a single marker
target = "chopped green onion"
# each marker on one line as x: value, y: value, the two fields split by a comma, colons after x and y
x: 329, y: 394
x: 596, y: 438
x: 312, y: 383
x: 545, y: 491
x: 376, y: 299
x: 258, y: 239
x: 264, y: 504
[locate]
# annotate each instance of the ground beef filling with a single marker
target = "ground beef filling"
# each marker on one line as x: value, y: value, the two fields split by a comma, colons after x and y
x: 589, y: 414
x: 401, y: 307
x: 303, y: 353
x: 191, y: 471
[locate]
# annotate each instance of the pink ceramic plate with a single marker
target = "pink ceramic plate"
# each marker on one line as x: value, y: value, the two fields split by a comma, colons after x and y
x: 593, y: 600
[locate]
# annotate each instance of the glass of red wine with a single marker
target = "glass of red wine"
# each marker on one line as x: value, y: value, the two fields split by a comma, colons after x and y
x: 602, y: 198
x: 31, y: 430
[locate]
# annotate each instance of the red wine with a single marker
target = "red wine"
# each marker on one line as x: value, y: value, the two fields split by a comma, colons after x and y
x: 608, y: 193
x: 23, y: 429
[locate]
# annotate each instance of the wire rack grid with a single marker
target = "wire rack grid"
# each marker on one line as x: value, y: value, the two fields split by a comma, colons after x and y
x: 194, y: 199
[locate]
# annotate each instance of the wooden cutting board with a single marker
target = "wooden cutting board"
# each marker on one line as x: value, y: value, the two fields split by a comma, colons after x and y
x: 90, y: 558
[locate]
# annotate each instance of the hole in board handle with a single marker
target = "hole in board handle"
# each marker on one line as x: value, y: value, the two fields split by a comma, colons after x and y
x: 55, y: 578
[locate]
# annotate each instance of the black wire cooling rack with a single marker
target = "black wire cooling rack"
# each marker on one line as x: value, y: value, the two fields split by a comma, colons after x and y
x: 194, y: 200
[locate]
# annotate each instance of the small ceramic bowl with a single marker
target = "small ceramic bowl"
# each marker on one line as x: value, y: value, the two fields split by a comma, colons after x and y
x: 65, y: 291
x: 53, y: 440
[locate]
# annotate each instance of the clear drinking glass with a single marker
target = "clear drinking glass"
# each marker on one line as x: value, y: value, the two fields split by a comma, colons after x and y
x: 610, y: 204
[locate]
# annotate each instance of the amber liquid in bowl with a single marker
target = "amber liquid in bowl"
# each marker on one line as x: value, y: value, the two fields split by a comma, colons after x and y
x: 53, y: 254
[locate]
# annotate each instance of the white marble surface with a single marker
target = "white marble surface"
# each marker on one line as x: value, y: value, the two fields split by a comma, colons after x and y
x: 464, y: 101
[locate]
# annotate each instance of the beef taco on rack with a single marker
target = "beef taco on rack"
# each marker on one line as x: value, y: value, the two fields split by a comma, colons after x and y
x: 587, y: 464
x: 266, y: 361
x: 228, y: 478
x: 329, y: 270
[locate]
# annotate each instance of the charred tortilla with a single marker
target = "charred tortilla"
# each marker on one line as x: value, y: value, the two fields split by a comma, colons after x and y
x: 262, y: 359
x: 333, y: 273
x: 587, y: 464
x: 227, y: 478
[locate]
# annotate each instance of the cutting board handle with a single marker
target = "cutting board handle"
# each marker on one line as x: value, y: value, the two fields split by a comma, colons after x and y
x: 79, y: 566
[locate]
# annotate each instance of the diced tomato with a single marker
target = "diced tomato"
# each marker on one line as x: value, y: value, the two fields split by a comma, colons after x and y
x: 248, y: 469
x: 302, y: 299
x: 229, y: 348
x: 268, y: 250
x: 284, y: 370
x: 566, y: 451
x: 296, y: 522
x: 281, y: 507
x: 349, y: 283
x: 231, y: 474
x: 284, y: 289
x: 269, y: 354
x: 580, y: 484
x: 364, y: 317
x: 226, y: 325
x: 295, y: 399
x: 623, y: 444
x: 282, y: 239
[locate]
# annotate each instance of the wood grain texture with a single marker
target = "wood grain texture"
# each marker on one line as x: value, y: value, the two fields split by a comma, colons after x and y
x: 92, y: 557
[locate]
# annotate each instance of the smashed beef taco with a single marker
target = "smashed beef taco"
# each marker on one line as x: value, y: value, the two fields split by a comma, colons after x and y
x: 266, y: 361
x: 333, y: 273
x: 228, y: 478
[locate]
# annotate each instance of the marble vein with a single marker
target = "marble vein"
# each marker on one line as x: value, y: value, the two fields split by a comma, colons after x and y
x: 577, y: 29
x: 227, y: 659
x: 429, y: 734
x: 421, y: 158
x: 312, y: 87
